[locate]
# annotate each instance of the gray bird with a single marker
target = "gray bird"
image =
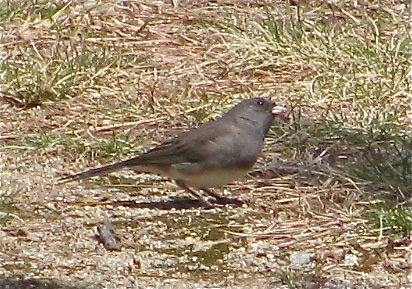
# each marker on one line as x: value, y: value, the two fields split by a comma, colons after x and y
x: 212, y: 155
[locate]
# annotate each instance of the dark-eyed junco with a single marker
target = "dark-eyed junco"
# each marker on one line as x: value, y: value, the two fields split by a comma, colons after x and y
x: 212, y: 155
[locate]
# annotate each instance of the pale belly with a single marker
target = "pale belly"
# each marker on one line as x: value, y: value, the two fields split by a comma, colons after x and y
x: 210, y: 179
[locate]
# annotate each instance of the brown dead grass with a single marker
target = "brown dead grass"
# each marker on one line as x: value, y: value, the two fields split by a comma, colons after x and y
x: 144, y: 71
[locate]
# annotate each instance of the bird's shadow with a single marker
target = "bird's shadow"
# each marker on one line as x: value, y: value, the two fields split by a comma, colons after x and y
x: 162, y: 205
x: 18, y: 283
x: 179, y: 204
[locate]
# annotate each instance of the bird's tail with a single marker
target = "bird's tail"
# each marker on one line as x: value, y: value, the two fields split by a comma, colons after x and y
x: 95, y: 172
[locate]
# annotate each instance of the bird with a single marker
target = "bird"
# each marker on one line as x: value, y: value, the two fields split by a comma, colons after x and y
x: 212, y: 155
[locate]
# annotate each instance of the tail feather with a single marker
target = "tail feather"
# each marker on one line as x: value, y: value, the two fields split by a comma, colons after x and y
x: 95, y: 172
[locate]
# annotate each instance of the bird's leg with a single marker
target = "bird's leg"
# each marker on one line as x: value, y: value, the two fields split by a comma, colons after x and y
x: 204, y: 202
x: 212, y: 194
x: 223, y: 200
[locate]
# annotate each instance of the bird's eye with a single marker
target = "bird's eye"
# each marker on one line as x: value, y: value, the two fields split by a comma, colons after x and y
x: 260, y: 102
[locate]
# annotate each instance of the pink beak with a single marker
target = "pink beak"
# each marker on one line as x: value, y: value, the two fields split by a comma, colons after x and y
x: 279, y: 110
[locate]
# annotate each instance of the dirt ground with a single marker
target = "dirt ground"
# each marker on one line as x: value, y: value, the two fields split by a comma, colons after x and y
x: 153, y: 69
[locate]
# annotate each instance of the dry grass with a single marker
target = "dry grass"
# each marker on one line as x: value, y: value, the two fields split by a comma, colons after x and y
x: 90, y: 83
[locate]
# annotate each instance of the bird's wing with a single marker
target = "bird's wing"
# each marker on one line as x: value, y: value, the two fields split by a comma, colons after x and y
x: 190, y: 147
